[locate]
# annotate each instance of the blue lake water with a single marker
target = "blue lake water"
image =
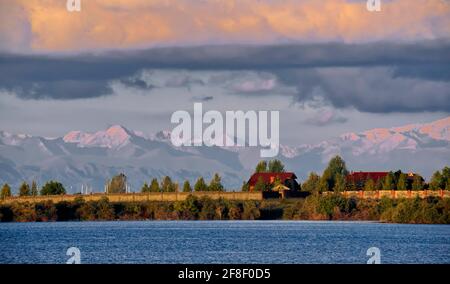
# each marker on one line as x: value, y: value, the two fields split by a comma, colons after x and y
x: 223, y: 242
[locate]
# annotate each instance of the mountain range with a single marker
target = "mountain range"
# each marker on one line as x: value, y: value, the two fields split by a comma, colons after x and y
x: 82, y: 158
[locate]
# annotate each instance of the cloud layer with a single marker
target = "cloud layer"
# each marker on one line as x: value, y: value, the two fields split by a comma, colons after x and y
x: 46, y: 25
x: 375, y: 77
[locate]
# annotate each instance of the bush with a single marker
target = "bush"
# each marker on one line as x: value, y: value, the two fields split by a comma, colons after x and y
x: 45, y: 211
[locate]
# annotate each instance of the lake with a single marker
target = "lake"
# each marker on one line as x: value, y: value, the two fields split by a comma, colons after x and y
x: 223, y: 242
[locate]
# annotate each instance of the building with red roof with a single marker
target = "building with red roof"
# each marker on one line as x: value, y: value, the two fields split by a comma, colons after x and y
x: 287, y: 179
x: 360, y: 178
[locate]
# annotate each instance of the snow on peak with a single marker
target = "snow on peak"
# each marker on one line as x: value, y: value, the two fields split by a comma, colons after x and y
x: 114, y: 137
x: 74, y: 136
x: 117, y: 133
x: 383, y: 140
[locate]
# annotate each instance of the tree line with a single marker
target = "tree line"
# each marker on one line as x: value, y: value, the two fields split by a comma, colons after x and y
x: 50, y: 188
x: 167, y: 185
x: 334, y: 178
x: 118, y: 184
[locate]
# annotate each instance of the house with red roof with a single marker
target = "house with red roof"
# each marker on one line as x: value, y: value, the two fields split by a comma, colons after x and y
x: 360, y: 178
x: 287, y: 181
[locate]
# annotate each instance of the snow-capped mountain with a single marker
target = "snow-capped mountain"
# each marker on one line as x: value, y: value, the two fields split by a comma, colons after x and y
x: 92, y: 158
x: 421, y: 148
x: 113, y: 137
x: 384, y: 140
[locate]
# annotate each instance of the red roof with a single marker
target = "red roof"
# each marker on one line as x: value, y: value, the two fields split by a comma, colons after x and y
x: 362, y: 176
x: 270, y: 177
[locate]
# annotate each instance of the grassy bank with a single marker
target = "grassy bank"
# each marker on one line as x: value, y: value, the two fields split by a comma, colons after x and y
x: 431, y: 210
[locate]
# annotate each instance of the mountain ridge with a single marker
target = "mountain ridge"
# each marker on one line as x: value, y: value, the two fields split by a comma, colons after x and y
x: 92, y: 157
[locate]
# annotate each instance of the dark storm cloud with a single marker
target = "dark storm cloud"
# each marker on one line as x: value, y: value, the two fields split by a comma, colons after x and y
x: 369, y: 89
x: 63, y: 89
x: 407, y: 77
x: 436, y: 72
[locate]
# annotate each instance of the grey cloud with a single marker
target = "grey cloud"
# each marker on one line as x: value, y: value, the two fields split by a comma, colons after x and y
x: 373, y: 89
x: 434, y: 72
x: 369, y: 88
x: 64, y: 89
x: 373, y: 77
x: 157, y: 78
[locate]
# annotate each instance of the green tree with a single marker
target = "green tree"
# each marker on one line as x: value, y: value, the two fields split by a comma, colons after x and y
x: 53, y: 188
x: 154, y: 186
x: 340, y: 183
x: 167, y: 185
x: 216, y: 183
x: 336, y: 167
x: 445, y: 176
x: 388, y: 182
x: 436, y: 180
x: 6, y: 191
x: 312, y: 184
x: 145, y: 188
x: 417, y: 183
x: 369, y: 185
x: 24, y: 189
x: 401, y: 183
x: 245, y: 186
x: 276, y: 166
x: 200, y: 185
x: 118, y: 184
x: 261, y: 167
x: 187, y: 186
x: 396, y: 177
x: 261, y: 185
x: 34, y: 189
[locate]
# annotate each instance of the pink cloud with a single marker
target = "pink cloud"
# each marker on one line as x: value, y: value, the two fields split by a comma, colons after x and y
x: 142, y: 23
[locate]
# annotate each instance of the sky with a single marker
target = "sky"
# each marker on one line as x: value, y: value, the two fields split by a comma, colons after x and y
x: 328, y: 66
